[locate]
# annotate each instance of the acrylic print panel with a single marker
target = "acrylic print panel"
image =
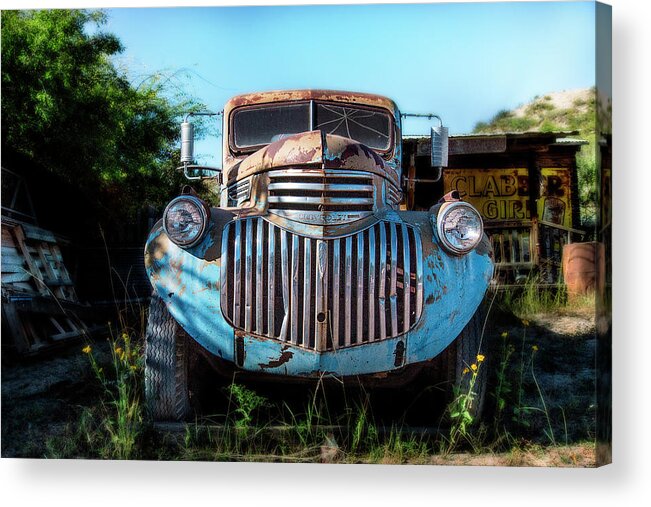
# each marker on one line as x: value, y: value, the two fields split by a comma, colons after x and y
x: 317, y: 291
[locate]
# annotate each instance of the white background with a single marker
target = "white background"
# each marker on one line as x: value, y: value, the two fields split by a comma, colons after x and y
x: 34, y: 482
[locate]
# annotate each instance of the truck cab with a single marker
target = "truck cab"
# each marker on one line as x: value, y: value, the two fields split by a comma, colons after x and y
x: 309, y: 267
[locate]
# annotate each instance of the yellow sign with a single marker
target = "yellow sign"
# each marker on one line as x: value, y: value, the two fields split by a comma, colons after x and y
x: 555, y: 203
x: 498, y: 194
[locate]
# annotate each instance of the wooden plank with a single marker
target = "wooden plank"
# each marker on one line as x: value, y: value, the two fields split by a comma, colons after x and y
x: 67, y: 335
x: 13, y: 268
x: 13, y: 264
x: 15, y: 277
x: 57, y: 325
x: 9, y: 250
x: 38, y: 234
x: 20, y: 238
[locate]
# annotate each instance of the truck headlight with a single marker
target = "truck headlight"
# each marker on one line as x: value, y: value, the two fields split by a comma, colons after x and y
x: 185, y: 220
x: 459, y: 227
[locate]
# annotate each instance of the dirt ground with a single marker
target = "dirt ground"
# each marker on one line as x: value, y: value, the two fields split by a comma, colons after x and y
x: 43, y: 396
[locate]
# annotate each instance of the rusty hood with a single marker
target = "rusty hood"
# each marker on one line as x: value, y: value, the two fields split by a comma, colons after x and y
x: 312, y: 149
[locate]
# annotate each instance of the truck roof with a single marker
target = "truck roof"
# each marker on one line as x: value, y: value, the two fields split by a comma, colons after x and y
x: 366, y: 99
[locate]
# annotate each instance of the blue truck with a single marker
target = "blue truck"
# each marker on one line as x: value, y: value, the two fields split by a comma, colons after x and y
x: 310, y: 267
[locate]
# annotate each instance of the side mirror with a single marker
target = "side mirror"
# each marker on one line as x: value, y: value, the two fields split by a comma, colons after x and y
x: 191, y: 171
x: 439, y: 150
x: 187, y: 142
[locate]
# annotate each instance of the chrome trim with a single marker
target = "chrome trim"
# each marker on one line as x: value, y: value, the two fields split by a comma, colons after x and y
x: 418, y: 245
x: 348, y: 291
x: 311, y: 282
x: 371, y: 285
x: 248, y: 287
x: 271, y: 277
x: 321, y: 296
x: 444, y: 209
x: 239, y: 192
x: 294, y: 300
x: 237, y: 275
x: 325, y: 201
x: 321, y: 196
x: 406, y: 275
x: 383, y: 275
x: 321, y: 187
x: 393, y: 289
x: 307, y: 290
x: 258, y: 277
x: 204, y: 218
x: 336, y: 245
x: 285, y: 274
x: 359, y: 296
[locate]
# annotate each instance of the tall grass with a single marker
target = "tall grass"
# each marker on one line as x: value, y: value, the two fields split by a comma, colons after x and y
x: 533, y: 297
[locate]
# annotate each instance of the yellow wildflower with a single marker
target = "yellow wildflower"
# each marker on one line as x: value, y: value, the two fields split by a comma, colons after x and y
x: 118, y: 350
x: 525, y: 323
x: 133, y: 367
x: 473, y: 367
x: 465, y: 370
x: 480, y: 358
x: 87, y: 349
x: 505, y: 334
x: 535, y: 348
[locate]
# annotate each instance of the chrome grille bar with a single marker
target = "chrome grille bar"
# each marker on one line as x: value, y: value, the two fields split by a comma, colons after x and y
x: 294, y: 297
x: 320, y: 187
x: 271, y: 280
x: 383, y: 276
x: 322, y: 190
x: 307, y: 286
x: 237, y: 275
x: 359, y: 303
x: 321, y: 296
x: 259, y: 315
x: 285, y: 274
x: 248, y: 284
x: 393, y: 289
x: 371, y: 285
x: 406, y: 278
x: 336, y: 269
x: 348, y: 291
x: 308, y: 274
x: 333, y: 201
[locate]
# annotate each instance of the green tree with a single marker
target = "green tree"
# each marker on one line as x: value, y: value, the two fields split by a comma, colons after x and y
x: 66, y: 107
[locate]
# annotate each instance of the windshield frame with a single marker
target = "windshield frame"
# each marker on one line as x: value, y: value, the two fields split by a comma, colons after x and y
x: 237, y: 151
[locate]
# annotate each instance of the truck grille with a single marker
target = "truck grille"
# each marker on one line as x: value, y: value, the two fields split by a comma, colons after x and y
x: 321, y: 294
x: 295, y: 193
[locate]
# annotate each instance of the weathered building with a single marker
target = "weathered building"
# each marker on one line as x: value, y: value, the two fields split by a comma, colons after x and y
x: 525, y: 186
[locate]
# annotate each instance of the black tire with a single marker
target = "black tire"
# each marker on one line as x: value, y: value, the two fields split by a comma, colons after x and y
x: 166, y: 365
x: 462, y: 353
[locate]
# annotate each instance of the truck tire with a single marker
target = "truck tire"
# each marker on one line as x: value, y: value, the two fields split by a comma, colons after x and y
x: 461, y: 354
x: 166, y: 372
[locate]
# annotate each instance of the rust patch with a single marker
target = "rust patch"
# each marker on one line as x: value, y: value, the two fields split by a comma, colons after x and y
x: 429, y: 300
x: 285, y: 356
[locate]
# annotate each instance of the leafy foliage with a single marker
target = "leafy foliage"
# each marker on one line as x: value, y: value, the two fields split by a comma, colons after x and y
x: 67, y: 108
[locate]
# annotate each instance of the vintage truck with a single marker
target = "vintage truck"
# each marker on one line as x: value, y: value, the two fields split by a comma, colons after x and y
x: 309, y: 268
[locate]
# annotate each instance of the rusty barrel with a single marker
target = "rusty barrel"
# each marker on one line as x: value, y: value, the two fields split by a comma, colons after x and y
x: 583, y: 267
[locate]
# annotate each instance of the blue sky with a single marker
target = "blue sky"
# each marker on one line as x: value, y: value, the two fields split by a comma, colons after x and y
x: 462, y: 61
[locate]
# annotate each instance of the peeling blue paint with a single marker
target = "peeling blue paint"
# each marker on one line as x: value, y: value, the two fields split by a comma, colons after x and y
x: 189, y: 283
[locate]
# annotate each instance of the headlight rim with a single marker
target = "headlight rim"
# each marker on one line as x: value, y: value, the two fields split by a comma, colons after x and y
x: 204, y: 216
x: 442, y: 211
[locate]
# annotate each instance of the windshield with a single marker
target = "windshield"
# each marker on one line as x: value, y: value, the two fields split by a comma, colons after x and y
x: 260, y: 125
